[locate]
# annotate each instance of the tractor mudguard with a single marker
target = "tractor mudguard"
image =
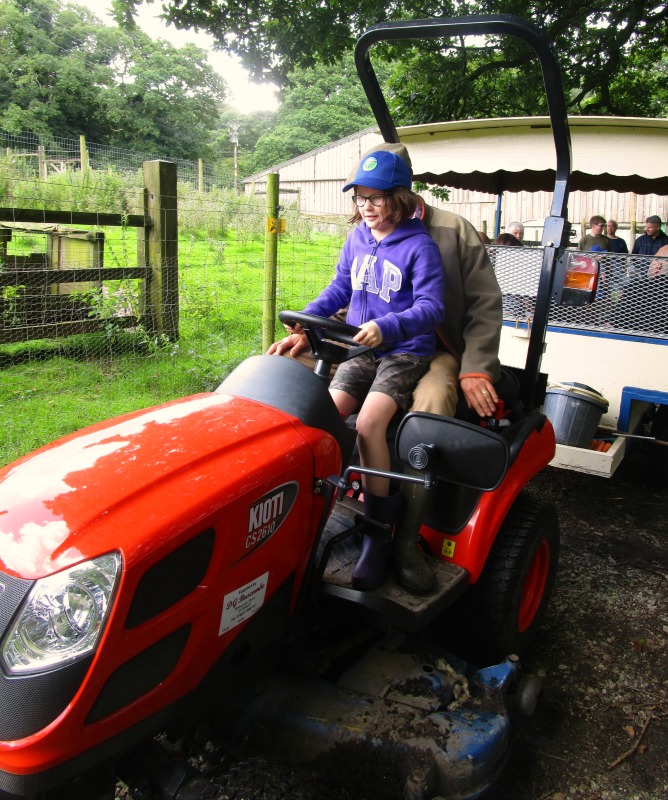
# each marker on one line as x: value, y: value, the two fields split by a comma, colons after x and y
x: 265, y: 378
x: 464, y: 521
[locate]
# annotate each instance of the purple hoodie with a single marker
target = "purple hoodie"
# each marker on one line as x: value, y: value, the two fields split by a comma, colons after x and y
x: 397, y: 282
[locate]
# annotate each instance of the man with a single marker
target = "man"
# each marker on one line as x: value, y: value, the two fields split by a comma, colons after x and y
x: 652, y: 239
x: 468, y: 358
x: 617, y: 243
x: 596, y: 240
x: 516, y: 229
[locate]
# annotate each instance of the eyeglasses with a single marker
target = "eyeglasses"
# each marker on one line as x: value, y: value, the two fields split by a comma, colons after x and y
x: 374, y: 199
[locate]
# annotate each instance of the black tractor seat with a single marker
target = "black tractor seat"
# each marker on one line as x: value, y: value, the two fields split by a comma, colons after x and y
x: 465, y: 453
x: 468, y: 460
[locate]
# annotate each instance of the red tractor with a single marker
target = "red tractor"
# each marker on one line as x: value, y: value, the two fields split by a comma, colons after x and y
x: 191, y: 562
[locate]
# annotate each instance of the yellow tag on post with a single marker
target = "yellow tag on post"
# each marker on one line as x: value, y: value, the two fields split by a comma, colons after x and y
x: 275, y: 225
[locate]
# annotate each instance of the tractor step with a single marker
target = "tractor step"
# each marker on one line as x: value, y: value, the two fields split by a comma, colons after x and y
x: 407, y: 611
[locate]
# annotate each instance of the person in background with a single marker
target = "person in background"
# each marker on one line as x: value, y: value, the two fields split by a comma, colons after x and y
x: 617, y: 243
x: 516, y: 229
x: 484, y: 238
x: 506, y: 263
x: 652, y: 239
x: 596, y: 239
x: 466, y: 360
x: 620, y: 271
x: 508, y: 240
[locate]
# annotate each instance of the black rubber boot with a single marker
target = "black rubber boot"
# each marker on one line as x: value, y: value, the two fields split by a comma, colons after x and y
x: 370, y: 571
x: 411, y: 569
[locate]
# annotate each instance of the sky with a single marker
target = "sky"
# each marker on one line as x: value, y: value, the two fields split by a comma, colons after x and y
x: 244, y: 96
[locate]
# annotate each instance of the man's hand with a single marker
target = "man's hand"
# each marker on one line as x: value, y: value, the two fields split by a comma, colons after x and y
x: 369, y: 334
x: 292, y: 345
x: 480, y: 396
x: 657, y: 267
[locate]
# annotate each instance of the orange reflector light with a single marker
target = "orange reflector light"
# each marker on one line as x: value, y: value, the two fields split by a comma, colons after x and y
x: 582, y: 273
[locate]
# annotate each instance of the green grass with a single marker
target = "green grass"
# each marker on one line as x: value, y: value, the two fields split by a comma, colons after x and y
x: 49, y: 388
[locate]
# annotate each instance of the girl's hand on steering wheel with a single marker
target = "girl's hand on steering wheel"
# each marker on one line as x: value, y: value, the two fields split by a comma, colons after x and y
x: 369, y: 334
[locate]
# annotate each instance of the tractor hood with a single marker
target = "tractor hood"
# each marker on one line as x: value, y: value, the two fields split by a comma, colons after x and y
x: 106, y: 486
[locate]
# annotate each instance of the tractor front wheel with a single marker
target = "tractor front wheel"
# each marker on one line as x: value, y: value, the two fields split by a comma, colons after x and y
x: 507, y: 604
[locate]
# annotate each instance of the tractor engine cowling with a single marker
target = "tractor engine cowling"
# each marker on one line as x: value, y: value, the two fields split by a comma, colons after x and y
x: 135, y: 557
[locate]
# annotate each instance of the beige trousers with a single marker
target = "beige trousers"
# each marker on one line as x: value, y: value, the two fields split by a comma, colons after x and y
x: 436, y: 391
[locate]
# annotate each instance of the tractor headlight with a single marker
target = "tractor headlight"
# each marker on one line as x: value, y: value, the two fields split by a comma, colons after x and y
x: 62, y: 617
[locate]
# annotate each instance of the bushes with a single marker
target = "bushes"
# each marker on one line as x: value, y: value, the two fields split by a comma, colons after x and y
x: 107, y: 191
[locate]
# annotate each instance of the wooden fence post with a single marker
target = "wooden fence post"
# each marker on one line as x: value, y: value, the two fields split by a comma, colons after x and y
x: 42, y: 169
x: 83, y: 154
x: 5, y: 236
x: 160, y: 249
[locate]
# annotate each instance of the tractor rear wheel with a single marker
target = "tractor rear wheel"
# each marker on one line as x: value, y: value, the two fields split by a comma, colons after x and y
x: 505, y: 607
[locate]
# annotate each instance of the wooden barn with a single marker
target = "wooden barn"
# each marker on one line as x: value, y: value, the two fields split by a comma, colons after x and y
x: 504, y: 168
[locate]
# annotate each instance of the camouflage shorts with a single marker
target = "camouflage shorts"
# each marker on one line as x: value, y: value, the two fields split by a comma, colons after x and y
x: 394, y: 375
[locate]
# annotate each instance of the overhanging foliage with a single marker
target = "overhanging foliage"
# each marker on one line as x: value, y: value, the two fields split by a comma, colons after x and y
x: 612, y: 53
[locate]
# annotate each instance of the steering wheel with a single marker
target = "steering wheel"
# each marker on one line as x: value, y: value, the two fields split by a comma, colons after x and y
x: 331, y: 341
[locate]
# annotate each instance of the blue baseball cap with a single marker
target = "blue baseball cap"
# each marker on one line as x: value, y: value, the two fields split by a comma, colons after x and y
x: 381, y: 170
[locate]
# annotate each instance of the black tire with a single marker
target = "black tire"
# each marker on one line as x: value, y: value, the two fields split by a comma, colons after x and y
x: 504, y: 609
x: 527, y: 694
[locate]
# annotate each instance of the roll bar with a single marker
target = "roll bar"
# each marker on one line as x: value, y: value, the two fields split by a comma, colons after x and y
x: 502, y: 24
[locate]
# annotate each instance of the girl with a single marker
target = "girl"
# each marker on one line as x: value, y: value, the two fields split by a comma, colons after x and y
x: 390, y: 275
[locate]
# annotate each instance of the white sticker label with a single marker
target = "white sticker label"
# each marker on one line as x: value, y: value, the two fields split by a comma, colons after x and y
x: 243, y: 603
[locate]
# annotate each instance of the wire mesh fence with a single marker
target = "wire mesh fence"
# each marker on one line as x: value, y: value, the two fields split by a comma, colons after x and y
x: 632, y: 296
x: 42, y: 158
x: 50, y: 386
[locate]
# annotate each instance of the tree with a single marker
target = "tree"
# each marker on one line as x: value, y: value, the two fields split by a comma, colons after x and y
x: 63, y: 74
x: 320, y: 105
x: 599, y: 46
x: 52, y: 66
x: 163, y: 97
x: 642, y: 91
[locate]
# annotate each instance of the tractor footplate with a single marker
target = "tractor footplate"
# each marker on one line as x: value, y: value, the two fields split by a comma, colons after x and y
x: 407, y: 611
